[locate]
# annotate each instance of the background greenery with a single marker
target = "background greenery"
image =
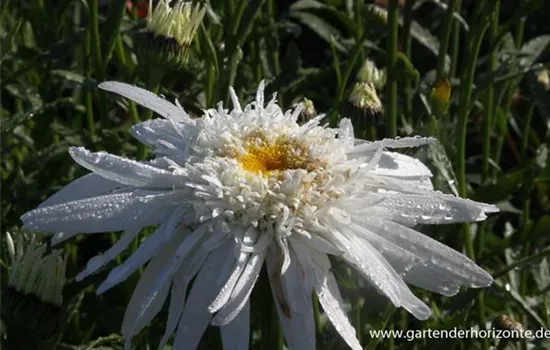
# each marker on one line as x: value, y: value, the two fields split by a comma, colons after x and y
x: 495, y: 133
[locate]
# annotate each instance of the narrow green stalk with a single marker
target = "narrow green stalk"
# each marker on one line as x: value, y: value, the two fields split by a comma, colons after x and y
x: 445, y: 36
x: 317, y: 320
x: 508, y: 98
x: 349, y: 68
x: 526, y: 131
x: 97, y: 58
x: 525, y: 261
x: 237, y: 35
x: 466, y: 81
x: 391, y: 59
x: 358, y: 321
x: 360, y: 27
x: 388, y: 313
x: 489, y: 107
x: 274, y: 52
x: 406, y: 40
x: 272, y: 334
x: 90, y: 122
x: 489, y: 100
x: 455, y: 47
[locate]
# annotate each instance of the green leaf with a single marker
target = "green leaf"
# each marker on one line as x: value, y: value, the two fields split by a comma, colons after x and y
x: 111, y: 27
x: 425, y: 37
x: 73, y: 77
x: 291, y: 62
x: 207, y: 48
x: 320, y: 27
x: 307, y: 4
x: 505, y: 186
x: 533, y: 49
x: 8, y: 41
x: 8, y: 124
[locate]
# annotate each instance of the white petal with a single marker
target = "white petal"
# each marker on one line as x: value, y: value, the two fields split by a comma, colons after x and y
x: 195, y: 316
x: 345, y: 133
x: 377, y: 270
x: 401, y: 166
x: 125, y: 171
x: 112, y: 212
x: 331, y: 300
x: 433, y: 254
x: 148, y: 100
x: 236, y: 335
x: 260, y: 96
x: 392, y: 143
x: 87, y: 186
x: 425, y: 207
x: 149, y: 248
x: 241, y: 292
x: 181, y: 281
x: 227, y: 289
x: 165, y: 137
x: 100, y: 260
x: 293, y: 302
x: 235, y: 100
x: 138, y: 314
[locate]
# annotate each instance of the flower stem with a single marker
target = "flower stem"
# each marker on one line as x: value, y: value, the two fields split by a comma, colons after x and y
x: 508, y: 99
x: 386, y: 316
x: 406, y: 40
x: 445, y: 36
x: 272, y: 335
x: 97, y: 58
x: 88, y: 98
x: 489, y: 100
x: 526, y: 131
x: 455, y: 43
x: 391, y: 59
x: 466, y: 81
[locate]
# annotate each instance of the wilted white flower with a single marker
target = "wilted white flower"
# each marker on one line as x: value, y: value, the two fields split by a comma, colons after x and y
x: 179, y: 22
x: 34, y: 272
x: 33, y: 296
x: 170, y: 31
x: 237, y: 188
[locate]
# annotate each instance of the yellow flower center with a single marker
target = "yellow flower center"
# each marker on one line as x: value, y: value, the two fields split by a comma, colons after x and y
x: 280, y: 156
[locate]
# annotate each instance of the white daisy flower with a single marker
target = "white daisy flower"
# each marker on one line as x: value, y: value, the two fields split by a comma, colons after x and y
x: 237, y: 188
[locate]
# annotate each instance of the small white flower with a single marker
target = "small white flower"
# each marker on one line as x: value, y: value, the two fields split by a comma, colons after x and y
x: 237, y: 188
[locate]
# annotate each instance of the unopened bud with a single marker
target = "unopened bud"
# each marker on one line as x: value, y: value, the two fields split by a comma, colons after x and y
x: 169, y: 33
x: 369, y: 73
x: 441, y: 95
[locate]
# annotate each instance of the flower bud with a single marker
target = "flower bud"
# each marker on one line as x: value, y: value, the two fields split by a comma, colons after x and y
x: 369, y: 73
x: 169, y: 33
x: 363, y: 106
x: 441, y: 95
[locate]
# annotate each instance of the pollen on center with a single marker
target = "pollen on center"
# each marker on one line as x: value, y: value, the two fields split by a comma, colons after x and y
x: 280, y: 156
